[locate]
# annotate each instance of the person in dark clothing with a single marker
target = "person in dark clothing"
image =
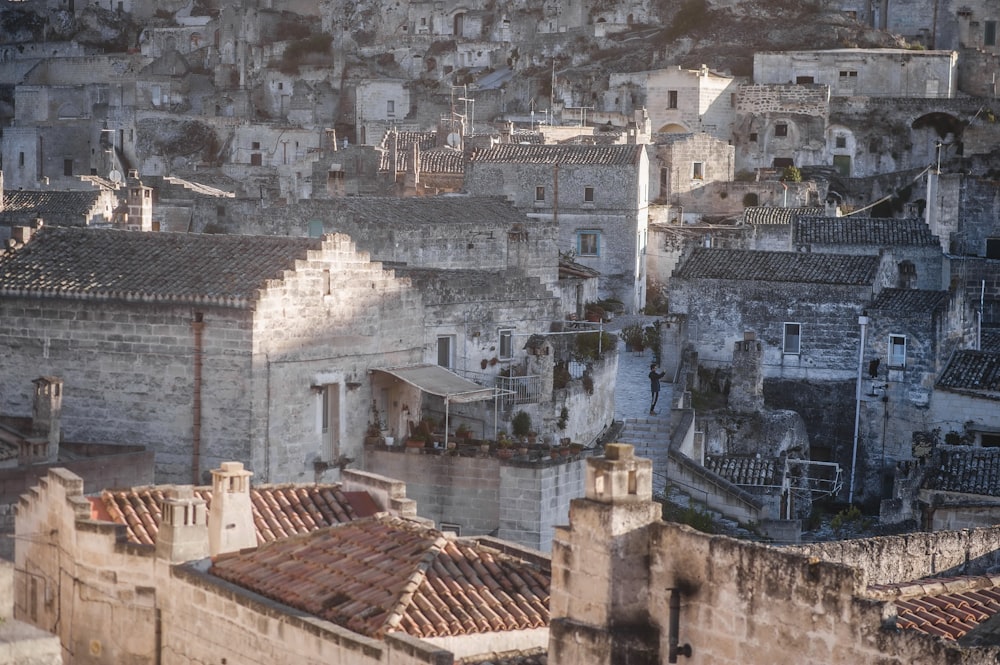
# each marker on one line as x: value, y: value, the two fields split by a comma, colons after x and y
x: 654, y: 385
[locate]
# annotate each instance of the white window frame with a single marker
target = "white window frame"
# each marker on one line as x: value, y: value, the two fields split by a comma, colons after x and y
x: 896, y: 360
x: 697, y: 170
x: 505, y: 347
x: 580, y: 246
x: 390, y: 108
x: 450, y: 341
x: 329, y: 420
x: 786, y: 338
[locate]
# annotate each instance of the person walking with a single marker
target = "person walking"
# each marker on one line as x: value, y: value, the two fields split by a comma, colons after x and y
x: 654, y: 386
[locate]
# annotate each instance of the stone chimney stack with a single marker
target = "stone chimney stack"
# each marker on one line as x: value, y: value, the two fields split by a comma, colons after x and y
x: 140, y: 203
x: 230, y: 520
x: 1, y: 191
x: 183, y: 534
x: 600, y: 566
x: 46, y: 414
x: 746, y: 393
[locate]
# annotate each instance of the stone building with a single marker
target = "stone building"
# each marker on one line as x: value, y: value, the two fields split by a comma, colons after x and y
x: 689, y: 168
x: 677, y: 100
x: 907, y: 241
x: 212, y: 589
x: 208, y: 347
x: 863, y: 72
x: 804, y: 308
x: 628, y: 587
x: 596, y: 196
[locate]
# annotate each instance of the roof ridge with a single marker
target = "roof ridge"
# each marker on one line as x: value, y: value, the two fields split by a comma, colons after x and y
x: 395, y: 614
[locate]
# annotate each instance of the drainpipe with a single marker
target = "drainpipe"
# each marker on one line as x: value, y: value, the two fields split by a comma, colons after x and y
x: 863, y: 322
x: 198, y: 326
x: 555, y: 194
x: 676, y: 649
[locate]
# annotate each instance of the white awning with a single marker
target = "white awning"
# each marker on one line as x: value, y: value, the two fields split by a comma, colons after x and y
x: 440, y: 381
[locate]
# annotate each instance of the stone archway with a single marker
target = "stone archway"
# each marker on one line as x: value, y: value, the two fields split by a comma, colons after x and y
x: 673, y: 128
x: 929, y: 131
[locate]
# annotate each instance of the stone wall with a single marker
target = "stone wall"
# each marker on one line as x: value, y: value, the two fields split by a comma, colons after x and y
x: 763, y: 99
x: 522, y: 502
x: 827, y: 314
x: 128, y: 373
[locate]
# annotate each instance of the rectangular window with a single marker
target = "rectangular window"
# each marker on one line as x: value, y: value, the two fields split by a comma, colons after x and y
x: 256, y: 159
x: 67, y: 167
x: 539, y: 193
x: 792, y: 341
x: 330, y: 420
x: 848, y: 74
x: 753, y: 137
x: 897, y: 351
x: 445, y: 351
x: 993, y: 248
x: 506, y: 344
x: 781, y: 129
x: 588, y: 243
x: 664, y: 180
x: 804, y: 80
x: 990, y: 33
x: 840, y: 141
x: 20, y: 159
x: 588, y: 194
x: 390, y: 107
x: 671, y: 99
x: 255, y: 145
x: 698, y: 171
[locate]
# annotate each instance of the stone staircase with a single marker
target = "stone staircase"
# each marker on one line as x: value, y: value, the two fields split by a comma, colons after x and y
x: 650, y: 436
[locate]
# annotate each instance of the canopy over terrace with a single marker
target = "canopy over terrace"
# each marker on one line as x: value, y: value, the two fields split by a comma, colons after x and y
x: 442, y: 382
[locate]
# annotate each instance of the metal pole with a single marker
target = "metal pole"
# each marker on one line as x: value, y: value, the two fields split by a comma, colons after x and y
x: 863, y: 322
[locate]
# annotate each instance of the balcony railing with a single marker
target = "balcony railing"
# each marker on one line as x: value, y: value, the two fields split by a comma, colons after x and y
x: 511, y: 389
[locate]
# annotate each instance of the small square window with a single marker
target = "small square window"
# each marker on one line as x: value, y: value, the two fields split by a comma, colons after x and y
x: 897, y: 351
x: 698, y: 171
x: 255, y: 145
x: 506, y: 344
x: 753, y: 137
x: 781, y: 129
x: 840, y: 141
x: 539, y: 193
x: 588, y: 243
x: 792, y: 340
x: 588, y: 194
x: 671, y: 99
x: 390, y: 107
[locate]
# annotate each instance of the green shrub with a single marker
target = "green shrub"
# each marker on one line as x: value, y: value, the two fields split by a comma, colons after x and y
x: 520, y: 425
x: 591, y: 346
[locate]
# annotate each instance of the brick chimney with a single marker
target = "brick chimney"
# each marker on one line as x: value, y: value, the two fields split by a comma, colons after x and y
x: 230, y: 519
x: 600, y: 566
x: 46, y: 413
x: 183, y: 534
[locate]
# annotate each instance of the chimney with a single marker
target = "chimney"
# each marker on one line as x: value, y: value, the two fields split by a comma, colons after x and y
x: 183, y: 534
x: 746, y: 394
x: 230, y: 519
x: 600, y: 565
x: 46, y: 411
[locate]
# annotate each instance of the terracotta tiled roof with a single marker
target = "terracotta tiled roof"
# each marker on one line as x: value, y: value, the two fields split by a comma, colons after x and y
x: 279, y: 511
x: 909, y: 301
x: 435, y: 160
x: 24, y: 202
x: 972, y: 370
x: 949, y: 608
x: 603, y: 155
x: 966, y: 469
x: 806, y: 267
x: 769, y: 215
x: 742, y: 470
x: 876, y: 231
x: 990, y: 340
x: 385, y: 574
x: 168, y: 267
x: 405, y: 140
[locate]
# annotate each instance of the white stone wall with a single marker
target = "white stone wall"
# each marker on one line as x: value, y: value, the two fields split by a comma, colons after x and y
x: 877, y: 73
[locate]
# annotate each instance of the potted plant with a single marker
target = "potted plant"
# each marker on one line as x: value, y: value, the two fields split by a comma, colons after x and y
x: 463, y: 433
x: 504, y: 449
x: 520, y: 425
